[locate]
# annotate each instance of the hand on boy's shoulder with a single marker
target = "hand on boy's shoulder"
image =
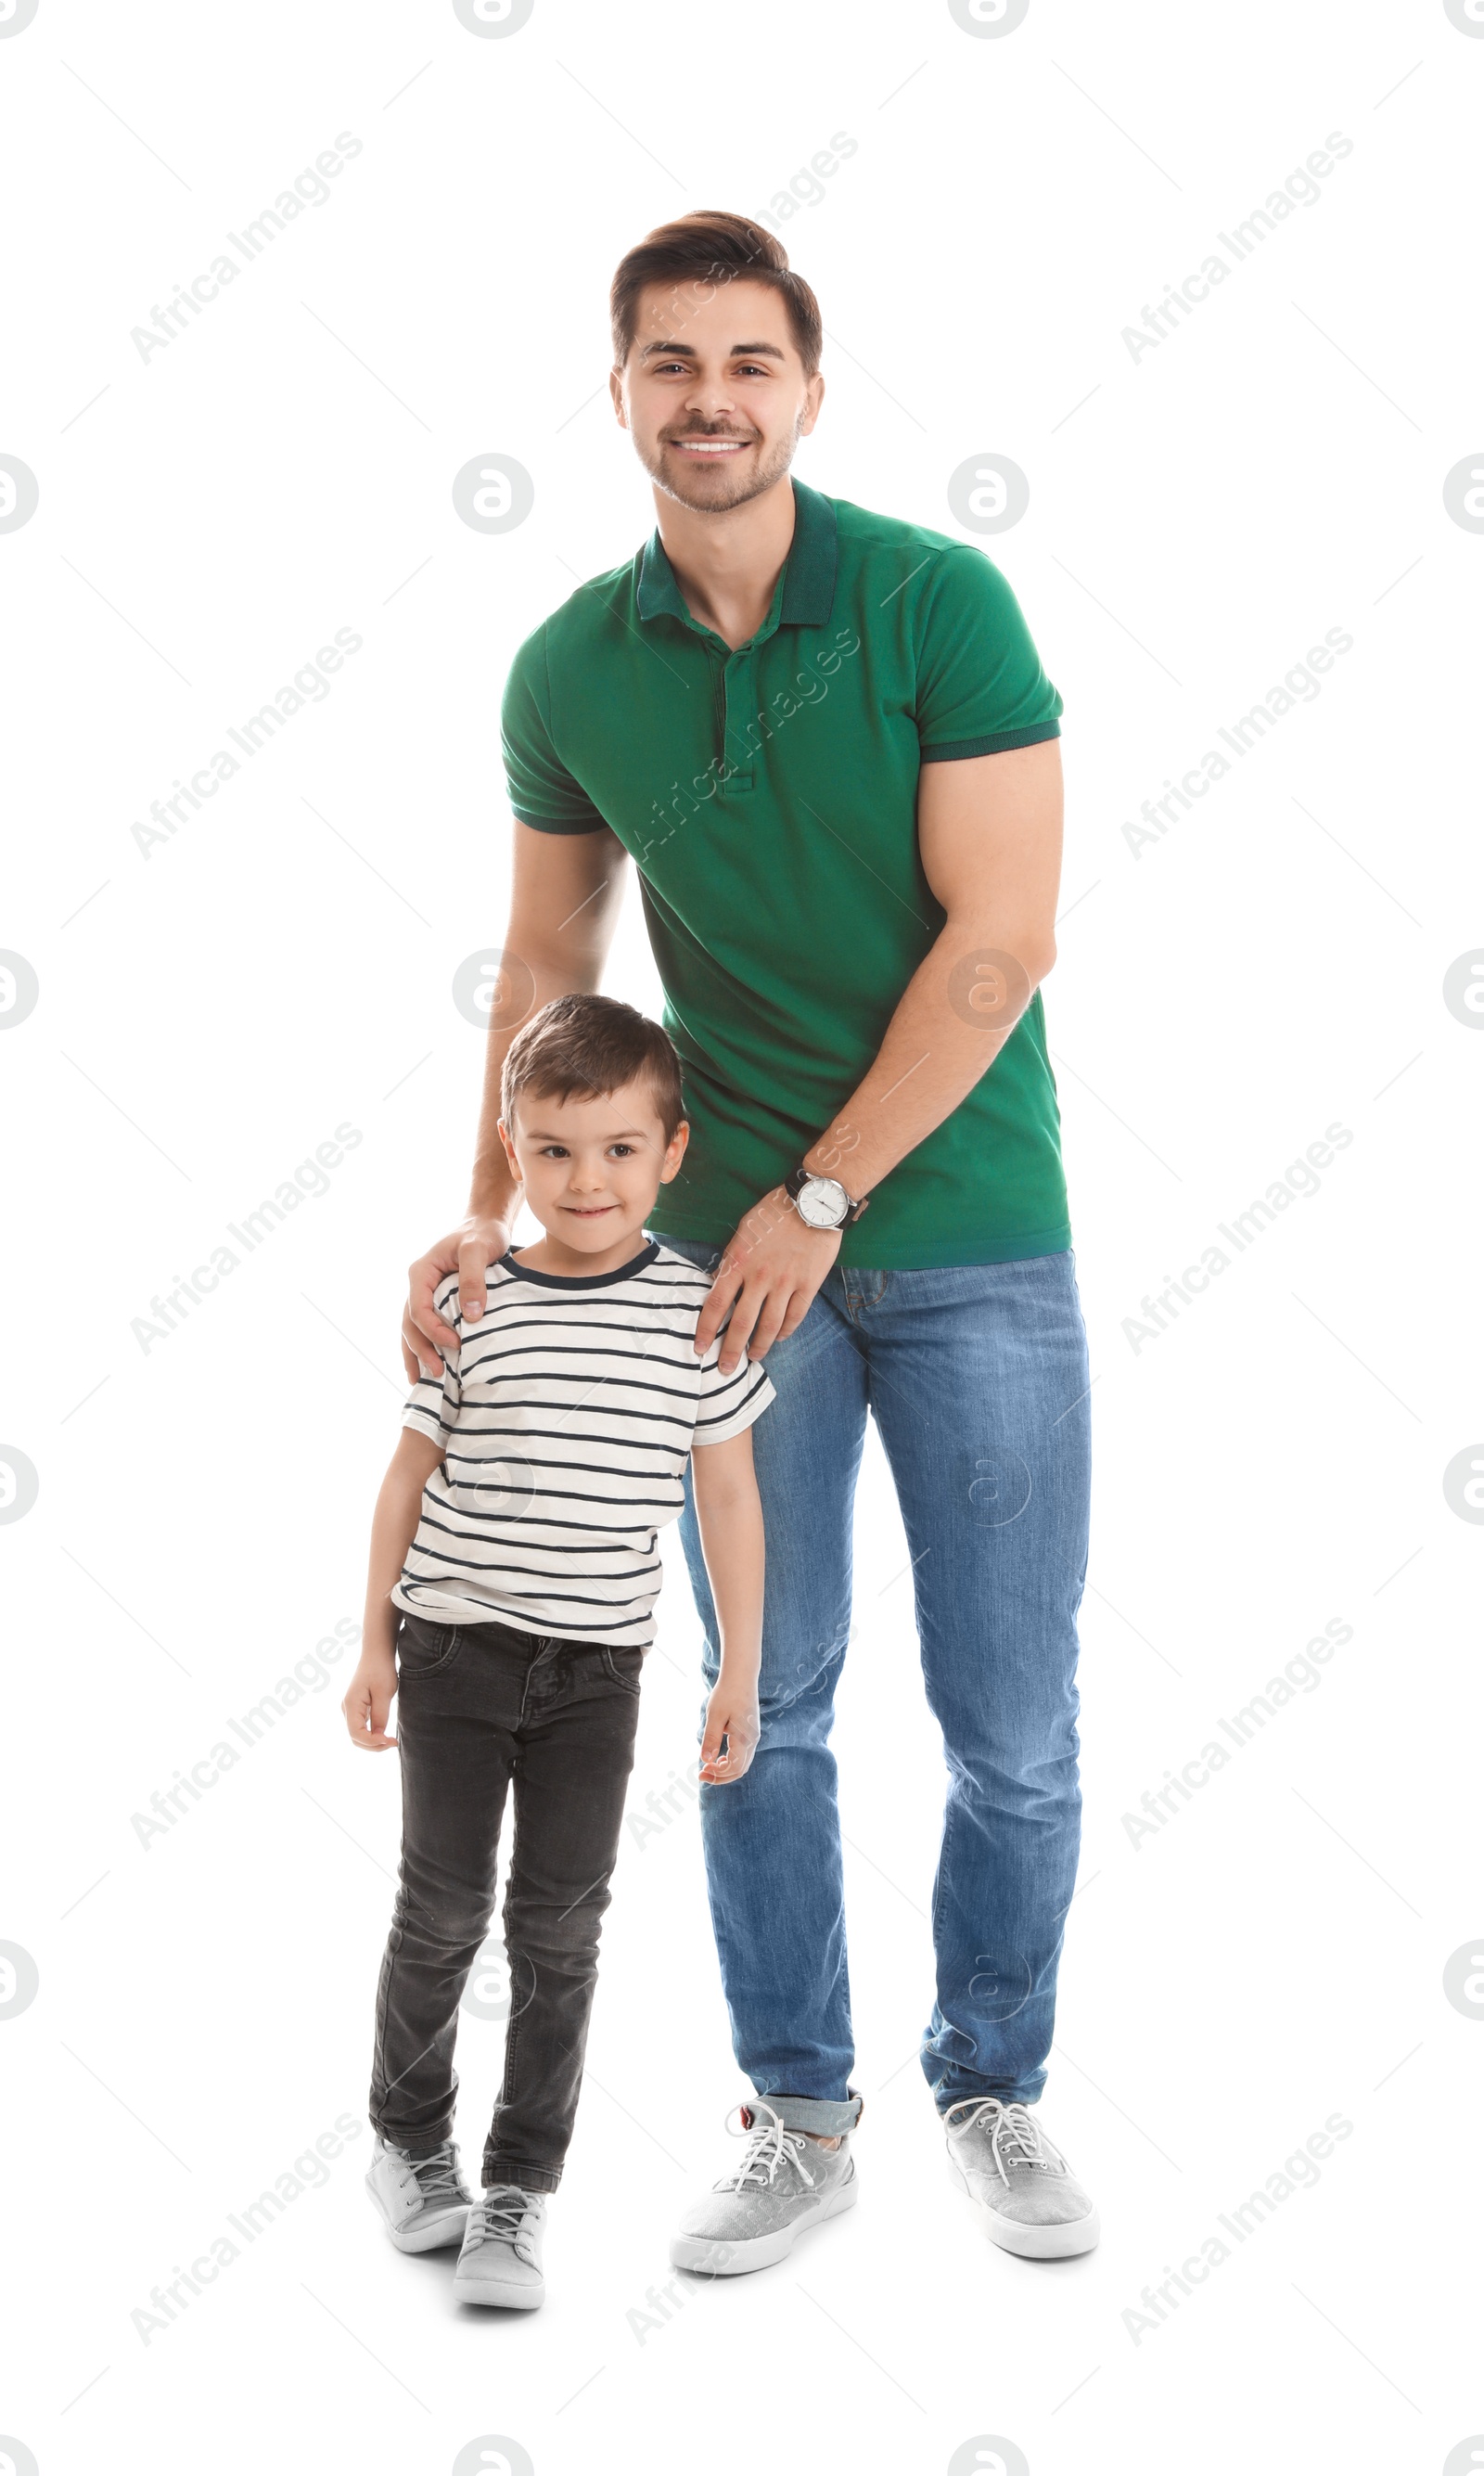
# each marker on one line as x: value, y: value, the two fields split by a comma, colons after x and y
x: 480, y: 1250
x: 466, y: 1253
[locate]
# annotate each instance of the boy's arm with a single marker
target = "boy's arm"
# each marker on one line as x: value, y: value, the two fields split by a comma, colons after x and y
x: 368, y: 1702
x: 730, y: 1516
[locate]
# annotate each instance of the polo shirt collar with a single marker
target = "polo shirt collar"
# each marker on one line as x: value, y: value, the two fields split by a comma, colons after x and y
x: 808, y: 576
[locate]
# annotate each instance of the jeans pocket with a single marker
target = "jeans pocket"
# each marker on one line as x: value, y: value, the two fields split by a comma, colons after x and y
x: 424, y: 1649
x: 625, y: 1667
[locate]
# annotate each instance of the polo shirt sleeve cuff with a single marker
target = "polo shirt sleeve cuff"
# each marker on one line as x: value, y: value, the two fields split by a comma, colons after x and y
x: 592, y: 824
x: 1031, y: 737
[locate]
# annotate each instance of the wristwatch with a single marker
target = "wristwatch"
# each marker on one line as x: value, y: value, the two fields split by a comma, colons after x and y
x: 822, y: 1203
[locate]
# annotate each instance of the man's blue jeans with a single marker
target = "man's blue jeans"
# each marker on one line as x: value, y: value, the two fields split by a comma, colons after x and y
x: 977, y: 1378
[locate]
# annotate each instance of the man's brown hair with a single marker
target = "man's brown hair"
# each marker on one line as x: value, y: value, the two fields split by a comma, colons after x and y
x: 582, y: 1047
x: 696, y: 253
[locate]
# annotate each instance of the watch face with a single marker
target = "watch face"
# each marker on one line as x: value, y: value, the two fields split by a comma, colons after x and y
x: 823, y: 1203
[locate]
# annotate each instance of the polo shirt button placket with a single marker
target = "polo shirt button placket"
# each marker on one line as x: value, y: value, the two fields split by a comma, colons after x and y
x: 737, y: 675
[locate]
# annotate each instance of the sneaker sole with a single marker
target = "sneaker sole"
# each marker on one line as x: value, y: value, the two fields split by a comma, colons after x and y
x: 1032, y: 2243
x: 448, y: 2229
x: 508, y: 2297
x: 716, y: 2259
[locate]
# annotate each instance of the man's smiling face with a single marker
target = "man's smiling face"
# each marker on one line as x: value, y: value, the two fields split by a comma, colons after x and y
x: 714, y: 392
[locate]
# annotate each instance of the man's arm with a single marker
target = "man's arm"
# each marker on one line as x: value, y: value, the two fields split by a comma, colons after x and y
x: 729, y: 1515
x: 989, y: 831
x: 565, y: 895
x: 394, y: 1526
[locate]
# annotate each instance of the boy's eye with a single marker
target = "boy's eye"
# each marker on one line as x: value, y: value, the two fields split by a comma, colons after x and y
x: 554, y: 1152
x: 620, y: 1152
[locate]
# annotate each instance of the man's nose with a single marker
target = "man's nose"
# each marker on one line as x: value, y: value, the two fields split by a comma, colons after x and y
x: 711, y: 400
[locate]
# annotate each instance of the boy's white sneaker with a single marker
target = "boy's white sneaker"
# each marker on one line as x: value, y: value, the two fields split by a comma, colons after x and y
x: 501, y: 2259
x: 785, y: 2183
x: 1000, y: 2157
x: 422, y: 2202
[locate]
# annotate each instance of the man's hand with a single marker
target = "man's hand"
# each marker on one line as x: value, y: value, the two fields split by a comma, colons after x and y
x: 731, y: 1712
x: 768, y: 1276
x: 467, y: 1250
x: 367, y: 1704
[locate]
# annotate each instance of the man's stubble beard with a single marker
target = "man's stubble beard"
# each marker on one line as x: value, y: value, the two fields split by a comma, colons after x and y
x: 772, y: 469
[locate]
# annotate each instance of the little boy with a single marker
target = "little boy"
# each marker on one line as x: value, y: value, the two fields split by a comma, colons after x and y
x: 512, y: 1583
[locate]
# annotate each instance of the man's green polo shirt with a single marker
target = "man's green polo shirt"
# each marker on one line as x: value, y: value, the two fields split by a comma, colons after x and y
x: 768, y: 797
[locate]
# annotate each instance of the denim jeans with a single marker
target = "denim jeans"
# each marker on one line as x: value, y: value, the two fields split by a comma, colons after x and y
x: 480, y: 1706
x: 977, y: 1378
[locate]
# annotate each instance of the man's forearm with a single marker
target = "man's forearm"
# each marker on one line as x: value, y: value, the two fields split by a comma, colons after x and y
x: 989, y: 838
x: 492, y: 1190
x: 954, y: 1017
x: 565, y: 896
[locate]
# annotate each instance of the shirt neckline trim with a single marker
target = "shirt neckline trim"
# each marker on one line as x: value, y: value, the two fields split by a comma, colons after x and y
x: 805, y: 595
x: 580, y: 1280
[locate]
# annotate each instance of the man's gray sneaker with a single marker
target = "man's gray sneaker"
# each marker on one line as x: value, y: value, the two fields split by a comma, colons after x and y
x: 423, y: 2202
x: 1000, y: 2157
x: 501, y: 2261
x: 785, y: 2183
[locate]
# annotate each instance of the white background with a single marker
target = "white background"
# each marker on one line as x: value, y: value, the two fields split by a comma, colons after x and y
x: 207, y: 1016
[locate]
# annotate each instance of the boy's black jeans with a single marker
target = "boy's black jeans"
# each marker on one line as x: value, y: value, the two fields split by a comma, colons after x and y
x: 480, y: 1706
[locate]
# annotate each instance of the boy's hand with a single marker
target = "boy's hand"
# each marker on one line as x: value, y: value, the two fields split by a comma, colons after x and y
x: 367, y: 1701
x: 731, y: 1712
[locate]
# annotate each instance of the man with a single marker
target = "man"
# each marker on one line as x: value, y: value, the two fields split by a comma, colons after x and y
x: 825, y: 739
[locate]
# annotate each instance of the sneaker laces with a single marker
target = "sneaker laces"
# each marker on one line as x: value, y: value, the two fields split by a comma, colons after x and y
x: 499, y: 2217
x: 770, y: 2147
x: 436, y: 2176
x: 1015, y: 2136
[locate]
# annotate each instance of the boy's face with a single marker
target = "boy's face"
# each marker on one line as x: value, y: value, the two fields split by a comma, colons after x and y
x: 592, y: 1167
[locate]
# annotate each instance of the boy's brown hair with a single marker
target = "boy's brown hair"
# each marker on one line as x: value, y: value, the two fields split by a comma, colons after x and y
x: 694, y: 254
x: 584, y: 1046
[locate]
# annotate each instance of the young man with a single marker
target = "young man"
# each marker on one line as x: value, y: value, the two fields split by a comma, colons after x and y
x: 825, y: 739
x: 515, y: 1538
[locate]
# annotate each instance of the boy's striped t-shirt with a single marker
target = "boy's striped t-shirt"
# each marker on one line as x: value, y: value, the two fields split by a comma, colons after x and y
x: 566, y: 1417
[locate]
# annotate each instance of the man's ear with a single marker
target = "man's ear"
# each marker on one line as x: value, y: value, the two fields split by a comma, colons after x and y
x: 674, y: 1152
x: 616, y: 391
